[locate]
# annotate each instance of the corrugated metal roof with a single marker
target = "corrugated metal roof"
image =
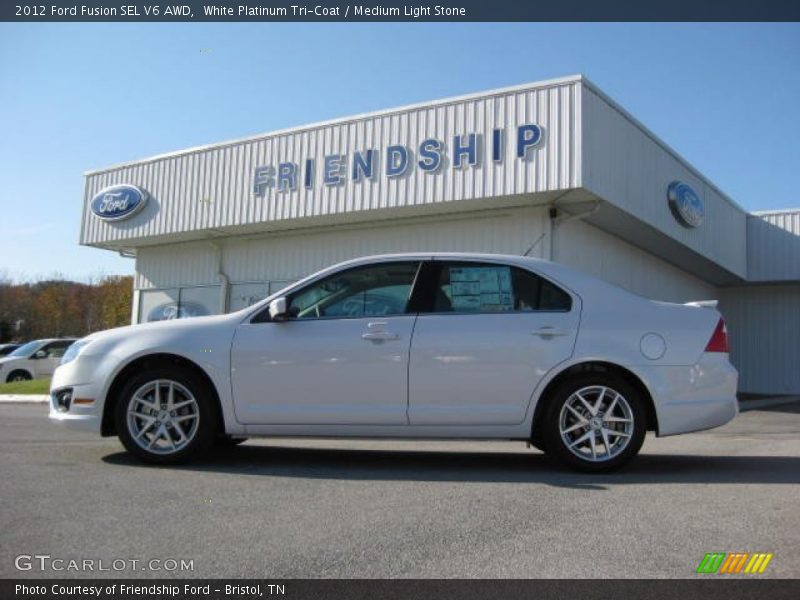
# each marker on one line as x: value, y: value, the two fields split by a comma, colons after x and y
x: 360, y: 117
x: 773, y: 246
x: 211, y: 188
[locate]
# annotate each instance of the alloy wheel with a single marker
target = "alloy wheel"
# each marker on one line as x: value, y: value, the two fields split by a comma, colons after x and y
x: 163, y: 416
x: 596, y: 423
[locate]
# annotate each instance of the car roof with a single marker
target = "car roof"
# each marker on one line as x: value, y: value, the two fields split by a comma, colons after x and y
x: 512, y: 258
x: 546, y: 267
x: 577, y: 281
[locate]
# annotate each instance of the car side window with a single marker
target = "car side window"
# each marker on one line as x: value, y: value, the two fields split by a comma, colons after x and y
x: 368, y: 291
x: 535, y: 293
x: 468, y: 287
x: 493, y: 288
x: 56, y: 349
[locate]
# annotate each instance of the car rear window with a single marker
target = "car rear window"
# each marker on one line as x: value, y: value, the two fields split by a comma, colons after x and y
x: 490, y: 288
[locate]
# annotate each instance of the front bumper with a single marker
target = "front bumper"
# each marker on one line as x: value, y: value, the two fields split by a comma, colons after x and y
x: 76, y: 422
x: 81, y: 415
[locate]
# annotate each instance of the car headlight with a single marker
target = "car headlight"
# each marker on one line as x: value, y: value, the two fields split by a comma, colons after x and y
x: 73, y: 351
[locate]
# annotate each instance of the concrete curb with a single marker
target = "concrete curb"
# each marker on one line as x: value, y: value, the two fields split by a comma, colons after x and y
x: 24, y: 398
x: 759, y: 403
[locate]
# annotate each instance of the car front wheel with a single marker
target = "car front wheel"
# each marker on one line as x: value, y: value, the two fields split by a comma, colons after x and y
x: 18, y: 376
x: 166, y: 416
x: 595, y: 422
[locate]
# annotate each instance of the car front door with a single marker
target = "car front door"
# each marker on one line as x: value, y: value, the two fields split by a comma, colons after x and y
x: 486, y: 336
x: 53, y: 352
x: 341, y: 356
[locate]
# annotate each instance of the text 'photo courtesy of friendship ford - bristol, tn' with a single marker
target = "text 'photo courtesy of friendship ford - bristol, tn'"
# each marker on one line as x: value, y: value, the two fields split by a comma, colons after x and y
x: 425, y: 345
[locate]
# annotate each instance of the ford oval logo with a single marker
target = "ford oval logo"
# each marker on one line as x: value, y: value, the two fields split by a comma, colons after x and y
x: 685, y: 204
x: 118, y: 202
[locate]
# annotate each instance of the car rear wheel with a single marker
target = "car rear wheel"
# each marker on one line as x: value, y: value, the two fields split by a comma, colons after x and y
x: 18, y: 376
x: 595, y: 422
x: 166, y: 416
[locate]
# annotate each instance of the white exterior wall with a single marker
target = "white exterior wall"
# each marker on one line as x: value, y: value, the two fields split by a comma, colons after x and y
x: 629, y: 167
x: 281, y: 256
x: 773, y: 246
x: 609, y: 257
x: 764, y: 328
x: 291, y: 255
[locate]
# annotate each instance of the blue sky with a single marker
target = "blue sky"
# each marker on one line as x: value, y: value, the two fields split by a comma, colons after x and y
x: 75, y: 97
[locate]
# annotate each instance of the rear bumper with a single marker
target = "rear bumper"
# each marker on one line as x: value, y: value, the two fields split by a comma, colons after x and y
x: 685, y: 417
x: 694, y: 398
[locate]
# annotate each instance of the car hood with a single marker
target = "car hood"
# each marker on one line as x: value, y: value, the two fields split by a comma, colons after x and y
x: 160, y: 330
x: 11, y: 359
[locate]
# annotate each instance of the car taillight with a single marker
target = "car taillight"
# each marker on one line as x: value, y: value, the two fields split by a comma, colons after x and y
x: 719, y: 339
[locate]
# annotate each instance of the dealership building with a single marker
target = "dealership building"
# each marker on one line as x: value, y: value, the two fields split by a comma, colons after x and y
x: 555, y: 169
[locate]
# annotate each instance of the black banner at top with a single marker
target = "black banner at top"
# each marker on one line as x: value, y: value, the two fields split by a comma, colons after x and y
x: 391, y: 10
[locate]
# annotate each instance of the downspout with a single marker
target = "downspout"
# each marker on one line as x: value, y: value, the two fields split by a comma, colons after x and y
x: 223, y: 279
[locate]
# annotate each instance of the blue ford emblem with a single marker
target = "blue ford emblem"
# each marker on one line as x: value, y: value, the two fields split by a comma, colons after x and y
x: 118, y: 202
x: 685, y: 204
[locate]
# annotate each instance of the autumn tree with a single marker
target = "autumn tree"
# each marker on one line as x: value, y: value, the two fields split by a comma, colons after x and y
x: 57, y: 308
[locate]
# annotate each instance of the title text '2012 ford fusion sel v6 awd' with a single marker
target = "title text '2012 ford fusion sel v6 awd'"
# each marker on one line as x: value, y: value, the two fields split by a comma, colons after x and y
x: 412, y: 346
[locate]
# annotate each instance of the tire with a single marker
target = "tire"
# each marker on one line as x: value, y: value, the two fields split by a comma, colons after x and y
x: 18, y: 375
x: 154, y: 432
x: 595, y: 442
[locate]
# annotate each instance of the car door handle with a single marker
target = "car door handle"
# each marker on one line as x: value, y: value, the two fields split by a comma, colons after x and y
x: 549, y: 331
x: 379, y: 335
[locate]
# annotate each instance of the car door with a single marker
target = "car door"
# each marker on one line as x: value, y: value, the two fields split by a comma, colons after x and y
x: 486, y: 336
x: 54, y: 351
x: 340, y: 358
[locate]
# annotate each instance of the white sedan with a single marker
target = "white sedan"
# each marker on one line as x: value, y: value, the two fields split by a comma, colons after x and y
x: 412, y: 346
x: 34, y: 360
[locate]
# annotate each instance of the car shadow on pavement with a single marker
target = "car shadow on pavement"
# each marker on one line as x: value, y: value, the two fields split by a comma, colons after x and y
x: 479, y: 467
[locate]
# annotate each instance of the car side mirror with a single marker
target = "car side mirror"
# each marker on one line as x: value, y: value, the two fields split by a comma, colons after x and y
x: 40, y: 354
x: 278, y: 310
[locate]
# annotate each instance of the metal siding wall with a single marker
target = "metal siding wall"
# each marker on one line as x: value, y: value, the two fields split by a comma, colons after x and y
x: 631, y: 170
x: 192, y: 263
x: 773, y: 246
x: 212, y: 187
x: 293, y: 255
x: 764, y: 328
x: 608, y: 257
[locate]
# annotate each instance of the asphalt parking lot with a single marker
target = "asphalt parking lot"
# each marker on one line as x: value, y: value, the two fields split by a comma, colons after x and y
x: 321, y: 508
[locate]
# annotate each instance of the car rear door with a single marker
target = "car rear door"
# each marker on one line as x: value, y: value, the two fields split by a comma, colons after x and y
x: 341, y: 358
x: 483, y: 340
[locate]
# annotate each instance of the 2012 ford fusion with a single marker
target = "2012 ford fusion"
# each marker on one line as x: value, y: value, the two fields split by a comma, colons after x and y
x: 412, y: 346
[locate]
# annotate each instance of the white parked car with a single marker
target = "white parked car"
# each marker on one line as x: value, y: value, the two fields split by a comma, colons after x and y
x: 34, y: 360
x: 412, y: 346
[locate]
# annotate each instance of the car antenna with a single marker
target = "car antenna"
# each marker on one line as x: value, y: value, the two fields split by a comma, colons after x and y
x: 533, y: 245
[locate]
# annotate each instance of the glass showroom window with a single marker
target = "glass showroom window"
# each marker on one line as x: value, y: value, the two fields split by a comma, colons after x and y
x: 243, y: 295
x: 178, y: 303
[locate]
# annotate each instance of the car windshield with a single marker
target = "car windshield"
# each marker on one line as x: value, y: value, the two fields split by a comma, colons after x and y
x: 26, y: 349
